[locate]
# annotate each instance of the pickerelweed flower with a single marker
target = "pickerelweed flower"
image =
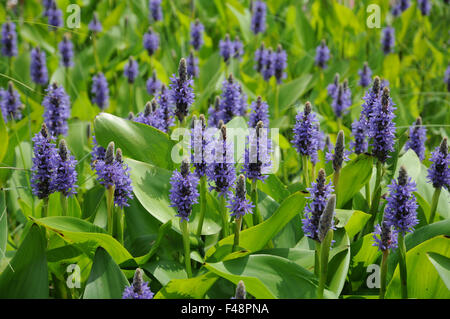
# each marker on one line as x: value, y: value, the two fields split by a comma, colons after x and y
x: 340, y: 155
x: 197, y: 29
x: 66, y: 174
x: 240, y: 291
x: 230, y: 99
x: 401, y: 208
x: 388, y: 40
x: 54, y: 16
x: 221, y: 172
x: 226, y: 47
x: 153, y: 85
x: 259, y: 112
x: 243, y: 105
x: 382, y: 128
x: 447, y: 77
x: 181, y: 92
x: 365, y: 75
x: 38, y: 66
x: 165, y: 113
x: 319, y: 194
x: 192, y: 65
x: 424, y: 6
x: 259, y: 58
x: 131, y: 70
x: 214, y: 113
x: 238, y: 48
x: 322, y: 55
x: 371, y: 101
x: 155, y: 10
x: 100, y: 91
x: 150, y: 41
x: 417, y: 137
x: 360, y: 144
x: 257, y: 162
x: 66, y: 50
x: 439, y: 170
x: 333, y: 87
x: 95, y: 25
x: 57, y: 109
x: 9, y: 39
x: 238, y: 204
x: 385, y: 237
x: 183, y: 193
x: 113, y: 171
x: 98, y: 152
x: 139, y: 288
x: 146, y: 116
x: 341, y: 101
x: 47, y: 5
x: 130, y: 116
x: 326, y: 221
x: 45, y: 163
x: 199, y: 143
x: 279, y: 64
x: 305, y: 132
x: 10, y: 103
x: 268, y: 64
x: 258, y: 23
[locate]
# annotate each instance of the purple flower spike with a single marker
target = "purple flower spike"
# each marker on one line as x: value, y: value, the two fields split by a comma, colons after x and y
x: 371, y: 101
x: 226, y: 47
x: 340, y: 155
x: 401, y: 208
x: 257, y: 162
x: 242, y: 106
x: 147, y: 116
x: 38, y: 67
x: 385, y: 237
x: 197, y: 34
x: 165, y: 112
x: 57, y: 109
x: 342, y: 100
x: 214, y: 113
x: 447, y: 77
x: 382, y: 128
x: 333, y: 87
x: 66, y: 50
x: 439, y: 171
x: 230, y: 99
x: 388, y: 40
x: 424, y: 6
x: 98, y: 152
x: 322, y: 55
x: 192, y: 65
x: 181, y: 92
x: 221, y: 172
x: 259, y: 112
x: 417, y: 137
x: 54, y: 16
x: 268, y: 64
x: 139, y: 289
x: 183, y: 193
x: 279, y: 64
x: 305, y: 132
x: 66, y: 175
x: 153, y: 85
x: 238, y: 48
x: 319, y: 194
x: 199, y: 143
x: 131, y: 70
x: 45, y: 163
x: 100, y: 91
x: 365, y: 75
x: 259, y: 58
x: 10, y: 103
x: 95, y: 25
x: 258, y: 24
x: 239, y: 205
x: 155, y: 10
x: 9, y: 39
x: 151, y: 41
x: 360, y: 144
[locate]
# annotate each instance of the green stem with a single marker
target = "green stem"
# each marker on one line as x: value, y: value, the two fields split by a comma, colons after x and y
x: 383, y: 273
x: 223, y: 211
x: 187, y: 247
x: 202, y: 204
x: 110, y: 208
x: 45, y: 208
x: 375, y: 198
x: 237, y: 230
x: 285, y: 175
x: 339, y: 122
x: 305, y: 170
x: 257, y: 218
x: 313, y: 171
x: 336, y: 175
x: 277, y: 111
x: 402, y: 265
x: 118, y: 224
x: 324, y: 254
x: 434, y: 204
x: 317, y: 259
x: 367, y: 188
x: 94, y: 45
x: 64, y: 204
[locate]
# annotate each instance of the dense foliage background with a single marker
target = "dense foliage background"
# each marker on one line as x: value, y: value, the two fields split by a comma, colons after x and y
x: 277, y: 259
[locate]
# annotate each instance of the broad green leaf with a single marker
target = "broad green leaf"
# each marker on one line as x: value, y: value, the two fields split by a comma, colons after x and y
x: 442, y: 265
x: 27, y: 275
x: 273, y: 187
x: 192, y: 288
x: 353, y: 220
x: 339, y: 263
x: 138, y: 141
x: 3, y: 137
x: 164, y: 271
x: 290, y: 92
x: 3, y: 225
x: 106, y: 280
x: 423, y: 280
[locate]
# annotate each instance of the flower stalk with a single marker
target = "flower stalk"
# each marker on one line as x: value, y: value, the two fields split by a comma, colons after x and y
x: 434, y: 204
x: 186, y: 245
x: 202, y: 204
x: 402, y: 265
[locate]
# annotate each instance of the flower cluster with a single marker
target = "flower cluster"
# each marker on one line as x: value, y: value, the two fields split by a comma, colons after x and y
x: 238, y: 204
x: 183, y: 193
x: 230, y: 100
x: 258, y: 23
x: 424, y: 6
x: 257, y: 162
x: 66, y: 175
x: 333, y: 87
x: 214, y: 113
x: 155, y: 10
x: 95, y: 25
x: 38, y: 67
x: 417, y: 137
x: 259, y: 58
x: 388, y: 40
x: 54, y: 16
x: 66, y: 50
x: 305, y: 132
x: 100, y: 91
x: 322, y: 55
x: 439, y: 170
x: 259, y: 112
x: 10, y: 103
x: 150, y: 41
x: 192, y: 65
x: 279, y: 63
x: 385, y: 237
x: 360, y: 144
x: 9, y: 39
x: 57, y: 109
x: 139, y: 288
x: 153, y: 85
x: 181, y: 92
x: 164, y: 113
x: 197, y: 29
x: 131, y: 70
x: 199, y: 144
x: 231, y: 49
x: 365, y: 75
x: 341, y: 99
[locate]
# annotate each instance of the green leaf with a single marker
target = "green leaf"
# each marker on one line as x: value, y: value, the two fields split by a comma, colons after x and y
x: 442, y: 265
x: 339, y: 263
x: 290, y: 92
x: 268, y: 277
x: 423, y: 280
x: 3, y: 224
x: 27, y: 275
x: 352, y: 220
x: 164, y: 270
x: 255, y: 238
x: 4, y: 137
x: 138, y: 141
x: 106, y: 280
x: 192, y: 288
